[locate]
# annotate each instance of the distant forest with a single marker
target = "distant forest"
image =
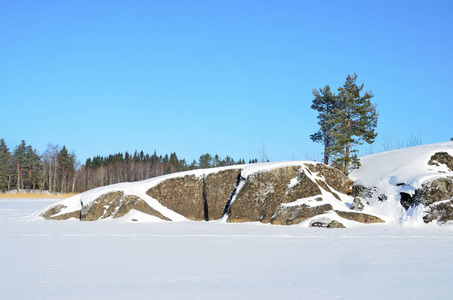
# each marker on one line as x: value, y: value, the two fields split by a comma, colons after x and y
x: 58, y: 171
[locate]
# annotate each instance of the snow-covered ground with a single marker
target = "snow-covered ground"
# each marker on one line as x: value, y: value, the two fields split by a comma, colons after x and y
x: 117, y: 259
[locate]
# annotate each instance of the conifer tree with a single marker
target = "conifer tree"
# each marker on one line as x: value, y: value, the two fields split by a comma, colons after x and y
x: 324, y: 103
x: 355, y: 120
x: 5, y: 166
x: 345, y: 120
x: 18, y: 163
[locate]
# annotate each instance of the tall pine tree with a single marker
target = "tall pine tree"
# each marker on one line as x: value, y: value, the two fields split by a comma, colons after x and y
x: 324, y: 103
x: 5, y: 166
x: 355, y: 119
x: 346, y: 120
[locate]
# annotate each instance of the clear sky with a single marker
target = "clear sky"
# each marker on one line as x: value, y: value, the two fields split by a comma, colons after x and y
x: 219, y: 77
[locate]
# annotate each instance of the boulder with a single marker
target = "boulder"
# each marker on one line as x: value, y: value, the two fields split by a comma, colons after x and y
x: 326, y: 223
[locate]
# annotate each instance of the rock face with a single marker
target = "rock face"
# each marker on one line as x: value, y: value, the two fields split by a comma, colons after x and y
x: 183, y: 195
x: 218, y: 188
x: 197, y: 198
x: 264, y: 194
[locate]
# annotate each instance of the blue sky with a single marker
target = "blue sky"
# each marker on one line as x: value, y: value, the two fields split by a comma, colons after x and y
x: 224, y: 77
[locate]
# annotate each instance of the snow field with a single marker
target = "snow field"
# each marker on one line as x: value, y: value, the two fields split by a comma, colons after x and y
x: 119, y: 259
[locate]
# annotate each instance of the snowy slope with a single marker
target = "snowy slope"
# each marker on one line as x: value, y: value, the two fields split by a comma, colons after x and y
x: 393, y: 172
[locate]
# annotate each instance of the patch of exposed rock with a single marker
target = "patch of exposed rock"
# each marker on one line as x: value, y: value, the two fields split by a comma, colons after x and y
x: 131, y: 202
x: 332, y: 177
x: 103, y: 207
x: 218, y: 188
x: 50, y: 214
x: 357, y: 204
x: 183, y: 195
x: 440, y: 212
x: 326, y: 223
x: 359, y: 217
x: 197, y: 198
x: 289, y: 215
x: 113, y: 204
x: 437, y: 190
x: 263, y: 193
x: 442, y: 158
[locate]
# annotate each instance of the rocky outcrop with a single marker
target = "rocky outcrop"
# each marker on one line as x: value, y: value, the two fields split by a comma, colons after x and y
x: 359, y: 217
x: 440, y: 212
x: 437, y: 190
x: 287, y: 194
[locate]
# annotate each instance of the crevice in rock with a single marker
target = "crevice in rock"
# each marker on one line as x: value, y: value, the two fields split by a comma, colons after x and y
x: 233, y: 195
x: 205, y: 200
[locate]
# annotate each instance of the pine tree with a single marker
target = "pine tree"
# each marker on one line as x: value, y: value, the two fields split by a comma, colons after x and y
x: 18, y: 163
x: 33, y: 167
x: 324, y: 103
x: 355, y: 120
x: 5, y: 166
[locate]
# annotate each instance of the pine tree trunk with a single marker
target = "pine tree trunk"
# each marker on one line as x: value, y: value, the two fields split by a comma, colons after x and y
x: 18, y: 177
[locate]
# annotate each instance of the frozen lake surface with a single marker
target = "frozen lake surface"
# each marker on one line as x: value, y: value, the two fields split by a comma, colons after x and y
x: 114, y: 259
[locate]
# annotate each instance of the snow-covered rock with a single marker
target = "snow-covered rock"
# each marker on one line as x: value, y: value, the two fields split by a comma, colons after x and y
x: 408, y: 185
x: 413, y: 185
x: 279, y: 193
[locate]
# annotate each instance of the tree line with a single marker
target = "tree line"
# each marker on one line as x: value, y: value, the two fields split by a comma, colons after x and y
x: 25, y: 169
x: 58, y: 171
